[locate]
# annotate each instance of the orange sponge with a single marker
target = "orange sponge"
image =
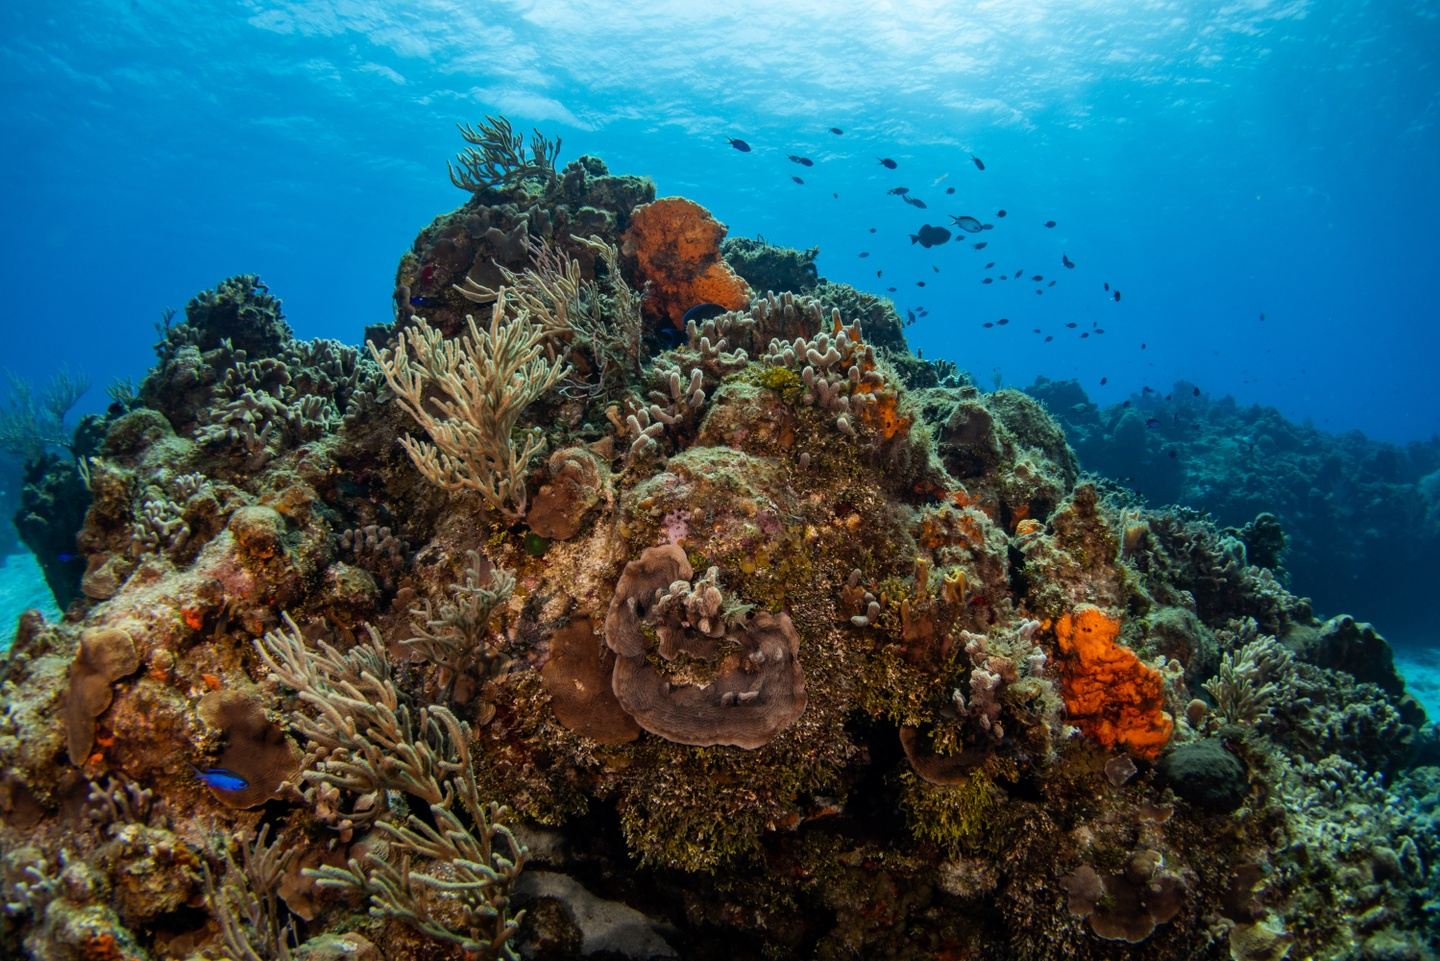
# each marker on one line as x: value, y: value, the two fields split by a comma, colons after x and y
x: 676, y: 246
x: 1109, y: 693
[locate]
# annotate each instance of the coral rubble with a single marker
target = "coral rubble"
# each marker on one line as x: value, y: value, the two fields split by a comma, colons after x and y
x: 548, y: 636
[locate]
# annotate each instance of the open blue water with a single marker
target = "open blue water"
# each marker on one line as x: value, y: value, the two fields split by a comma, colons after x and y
x: 1214, y: 161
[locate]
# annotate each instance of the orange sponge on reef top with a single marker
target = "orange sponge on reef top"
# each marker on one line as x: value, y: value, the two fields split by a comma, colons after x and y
x: 1109, y: 693
x: 676, y: 246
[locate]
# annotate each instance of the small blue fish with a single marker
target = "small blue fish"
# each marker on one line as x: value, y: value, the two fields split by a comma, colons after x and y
x: 221, y: 778
x: 424, y: 302
x: 65, y: 557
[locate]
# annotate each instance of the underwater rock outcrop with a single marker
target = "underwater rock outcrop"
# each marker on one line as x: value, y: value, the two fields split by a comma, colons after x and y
x: 764, y: 640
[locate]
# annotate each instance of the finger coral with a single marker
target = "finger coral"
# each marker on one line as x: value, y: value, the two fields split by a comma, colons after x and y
x: 676, y: 247
x: 1109, y: 693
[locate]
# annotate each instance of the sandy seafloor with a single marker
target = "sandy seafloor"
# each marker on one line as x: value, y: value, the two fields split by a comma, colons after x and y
x: 22, y: 586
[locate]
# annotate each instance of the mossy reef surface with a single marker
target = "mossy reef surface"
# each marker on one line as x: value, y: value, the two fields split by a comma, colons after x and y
x: 604, y: 627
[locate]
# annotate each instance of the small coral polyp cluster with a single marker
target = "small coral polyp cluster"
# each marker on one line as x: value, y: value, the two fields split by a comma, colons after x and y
x: 754, y: 632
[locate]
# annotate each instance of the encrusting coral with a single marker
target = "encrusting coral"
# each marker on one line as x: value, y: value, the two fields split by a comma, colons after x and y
x: 795, y: 645
x: 1109, y: 693
x: 676, y: 247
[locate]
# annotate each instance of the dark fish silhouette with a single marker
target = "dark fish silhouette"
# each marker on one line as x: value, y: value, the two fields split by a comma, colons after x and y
x: 968, y: 224
x: 879, y: 273
x: 887, y: 163
x: 836, y: 131
x: 1117, y: 296
x: 987, y: 324
x: 982, y: 245
x: 702, y: 312
x: 1049, y: 337
x: 864, y: 253
x: 979, y: 164
x: 1107, y: 285
x: 1000, y: 213
x: 1038, y: 277
x: 934, y: 268
x: 1143, y: 346
x: 1049, y: 223
x: 949, y: 190
x: 989, y: 265
x: 1019, y: 272
x: 802, y: 161
x: 919, y: 283
x: 1197, y: 392
x: 988, y: 280
x: 1173, y: 455
x: 914, y: 202
x: 739, y: 145
x: 836, y: 196
x: 1126, y: 404
x: 1072, y: 325
x: 1069, y: 264
x: 929, y: 236
x: 872, y: 230
x: 911, y: 315
x: 987, y: 226
x: 798, y: 180
x: 1002, y: 321
x: 1152, y: 422
x: 898, y: 191
x: 1084, y: 335
x: 1099, y: 330
x: 1051, y: 284
x: 891, y: 289
x: 1104, y: 381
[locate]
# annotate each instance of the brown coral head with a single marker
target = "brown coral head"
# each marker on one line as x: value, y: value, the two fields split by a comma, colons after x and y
x: 105, y: 655
x: 640, y: 585
x: 675, y: 244
x: 577, y: 676
x: 1126, y: 906
x: 756, y: 690
x: 256, y: 748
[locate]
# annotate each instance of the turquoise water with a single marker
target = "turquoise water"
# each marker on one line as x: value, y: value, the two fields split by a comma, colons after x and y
x: 1215, y: 162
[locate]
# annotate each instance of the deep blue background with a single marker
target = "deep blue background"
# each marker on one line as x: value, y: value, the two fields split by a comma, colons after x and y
x: 1215, y: 162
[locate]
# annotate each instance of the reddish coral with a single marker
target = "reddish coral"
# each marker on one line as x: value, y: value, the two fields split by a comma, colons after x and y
x: 676, y: 246
x: 1109, y: 693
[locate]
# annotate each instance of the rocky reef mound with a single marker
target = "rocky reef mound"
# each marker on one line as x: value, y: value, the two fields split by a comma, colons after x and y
x: 553, y: 624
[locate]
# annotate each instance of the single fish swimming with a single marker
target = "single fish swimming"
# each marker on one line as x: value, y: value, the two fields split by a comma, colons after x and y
x: 968, y: 224
x: 739, y: 145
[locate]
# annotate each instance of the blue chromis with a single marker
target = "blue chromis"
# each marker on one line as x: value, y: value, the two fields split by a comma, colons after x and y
x: 221, y: 779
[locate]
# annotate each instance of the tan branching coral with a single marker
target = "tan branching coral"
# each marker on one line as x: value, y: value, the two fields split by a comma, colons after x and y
x: 363, y: 740
x: 468, y: 395
x: 676, y: 246
x: 496, y: 156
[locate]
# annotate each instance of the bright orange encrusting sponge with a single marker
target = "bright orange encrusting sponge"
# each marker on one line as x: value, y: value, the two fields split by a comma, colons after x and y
x: 676, y: 246
x: 1109, y: 693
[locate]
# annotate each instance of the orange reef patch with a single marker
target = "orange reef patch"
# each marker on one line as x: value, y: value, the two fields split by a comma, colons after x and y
x: 1109, y: 693
x: 676, y: 246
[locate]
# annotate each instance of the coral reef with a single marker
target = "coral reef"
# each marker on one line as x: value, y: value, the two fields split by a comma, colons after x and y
x: 794, y: 646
